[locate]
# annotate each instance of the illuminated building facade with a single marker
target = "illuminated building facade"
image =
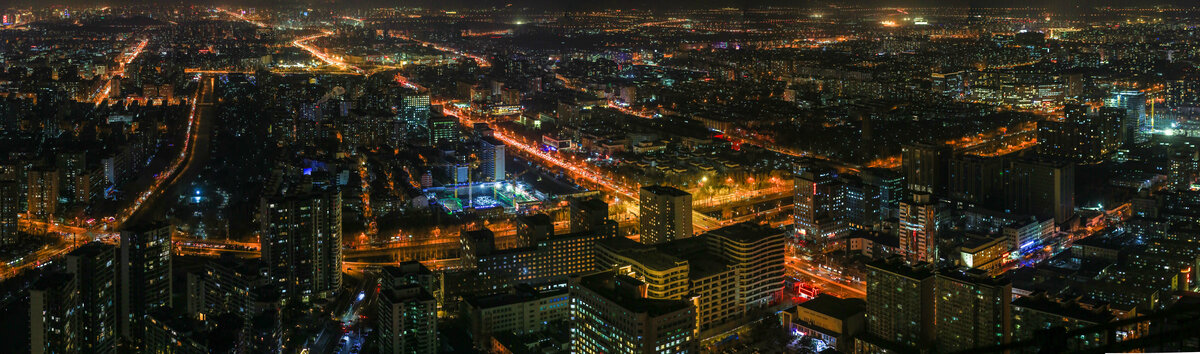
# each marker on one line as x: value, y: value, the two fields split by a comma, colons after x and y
x: 665, y: 214
x: 610, y: 314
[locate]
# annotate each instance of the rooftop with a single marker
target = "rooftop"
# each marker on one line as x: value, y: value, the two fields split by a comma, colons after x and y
x: 665, y: 190
x: 603, y: 284
x: 747, y: 232
x: 835, y: 307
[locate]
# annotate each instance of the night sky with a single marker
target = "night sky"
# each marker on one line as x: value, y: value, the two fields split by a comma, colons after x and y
x: 639, y: 4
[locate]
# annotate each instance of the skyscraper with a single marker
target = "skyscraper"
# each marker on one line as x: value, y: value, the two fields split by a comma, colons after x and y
x: 415, y: 109
x: 977, y: 180
x: 52, y: 323
x: 10, y: 206
x: 94, y: 266
x: 1042, y: 187
x: 973, y: 310
x: 407, y: 320
x: 1135, y: 127
x: 302, y: 242
x: 819, y: 204
x: 609, y: 314
x: 900, y: 304
x: 491, y: 159
x: 925, y: 167
x: 43, y: 193
x: 145, y: 277
x: 441, y: 129
x: 665, y: 214
x: 919, y: 222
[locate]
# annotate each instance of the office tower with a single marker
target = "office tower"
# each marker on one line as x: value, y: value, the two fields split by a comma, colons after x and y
x: 919, y: 222
x: 546, y: 261
x: 442, y: 129
x: 302, y: 242
x: 610, y: 315
x: 977, y: 180
x: 1082, y: 136
x: 819, y: 205
x: 590, y: 214
x: 145, y: 277
x: 756, y: 252
x: 491, y: 159
x: 533, y: 228
x: 665, y: 214
x: 973, y: 310
x: 860, y: 203
x: 890, y: 186
x: 1041, y: 187
x: 10, y: 206
x: 1135, y: 127
x: 42, y: 193
x: 407, y: 321
x: 415, y: 109
x: 94, y: 266
x: 900, y: 302
x: 524, y: 310
x: 52, y: 323
x: 925, y: 167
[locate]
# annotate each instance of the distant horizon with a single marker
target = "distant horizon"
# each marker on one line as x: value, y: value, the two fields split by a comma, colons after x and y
x: 559, y: 5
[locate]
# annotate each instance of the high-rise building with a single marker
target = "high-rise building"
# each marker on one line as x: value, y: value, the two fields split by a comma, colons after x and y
x: 533, y: 228
x: 757, y: 253
x: 920, y: 218
x: 590, y: 214
x: 973, y: 310
x: 1041, y: 187
x: 229, y: 285
x: 415, y: 109
x: 72, y: 166
x: 442, y: 129
x: 1083, y: 135
x: 302, y: 242
x: 890, y: 186
x: 819, y: 205
x: 94, y: 266
x: 145, y: 276
x: 665, y: 214
x: 407, y: 309
x: 727, y: 272
x: 977, y: 180
x: 925, y: 167
x: 407, y: 320
x: 43, y: 193
x: 10, y: 206
x: 491, y: 159
x: 52, y: 323
x: 900, y: 303
x: 1135, y: 127
x: 610, y: 314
